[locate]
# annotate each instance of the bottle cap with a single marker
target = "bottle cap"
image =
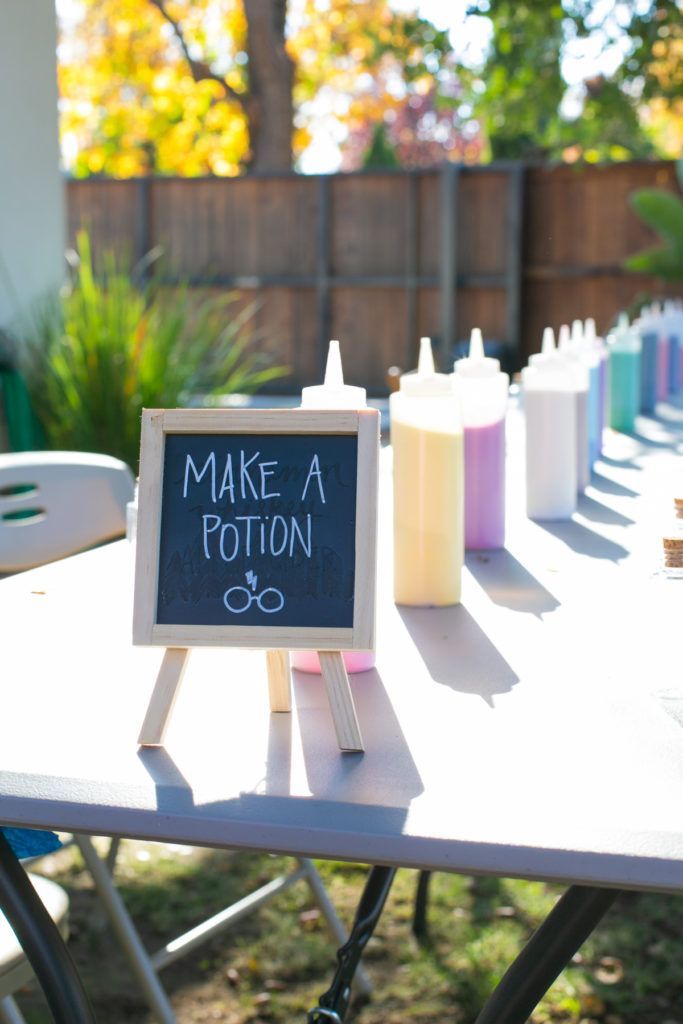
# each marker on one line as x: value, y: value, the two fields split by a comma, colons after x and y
x: 590, y: 332
x: 622, y: 322
x: 577, y: 333
x: 477, y: 364
x: 334, y: 393
x: 549, y: 357
x: 425, y: 381
x: 564, y: 338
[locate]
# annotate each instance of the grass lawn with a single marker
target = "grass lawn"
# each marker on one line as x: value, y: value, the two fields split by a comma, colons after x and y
x: 272, y: 966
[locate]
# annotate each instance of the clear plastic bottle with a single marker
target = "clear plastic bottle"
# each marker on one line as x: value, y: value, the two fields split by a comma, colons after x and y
x: 428, y: 452
x: 333, y: 394
x: 483, y: 391
x: 672, y: 544
x: 550, y: 414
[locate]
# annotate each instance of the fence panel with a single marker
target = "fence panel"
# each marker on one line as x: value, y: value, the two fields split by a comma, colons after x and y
x: 379, y: 258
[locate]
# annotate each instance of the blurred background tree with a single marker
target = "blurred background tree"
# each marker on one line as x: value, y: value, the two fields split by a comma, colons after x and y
x: 524, y: 104
x: 195, y: 87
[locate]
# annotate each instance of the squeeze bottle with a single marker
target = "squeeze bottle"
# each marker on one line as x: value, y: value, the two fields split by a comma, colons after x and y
x: 672, y: 328
x: 647, y: 325
x: 624, y: 370
x: 597, y: 344
x: 666, y: 354
x: 483, y: 391
x: 570, y: 346
x: 333, y: 394
x: 427, y: 441
x: 579, y: 381
x: 550, y: 414
x: 584, y: 347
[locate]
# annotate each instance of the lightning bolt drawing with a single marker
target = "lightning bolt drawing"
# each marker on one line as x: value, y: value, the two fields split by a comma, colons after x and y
x: 252, y: 580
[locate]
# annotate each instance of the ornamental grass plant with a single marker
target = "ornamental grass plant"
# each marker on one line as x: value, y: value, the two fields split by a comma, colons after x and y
x: 111, y: 344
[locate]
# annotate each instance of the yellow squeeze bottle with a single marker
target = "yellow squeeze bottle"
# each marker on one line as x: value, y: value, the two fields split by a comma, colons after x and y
x: 427, y: 442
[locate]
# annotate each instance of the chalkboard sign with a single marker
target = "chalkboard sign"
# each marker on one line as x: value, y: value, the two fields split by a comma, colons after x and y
x: 257, y: 528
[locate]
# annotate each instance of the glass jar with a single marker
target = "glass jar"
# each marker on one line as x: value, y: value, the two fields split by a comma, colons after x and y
x: 672, y: 543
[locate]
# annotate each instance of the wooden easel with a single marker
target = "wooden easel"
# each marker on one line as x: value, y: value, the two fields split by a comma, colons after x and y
x: 334, y: 675
x: 178, y: 638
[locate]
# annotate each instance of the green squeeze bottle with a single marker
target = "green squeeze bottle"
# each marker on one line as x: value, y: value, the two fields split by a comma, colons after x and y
x: 624, y: 375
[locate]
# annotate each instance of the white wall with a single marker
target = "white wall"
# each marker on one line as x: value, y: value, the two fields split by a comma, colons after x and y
x: 32, y: 207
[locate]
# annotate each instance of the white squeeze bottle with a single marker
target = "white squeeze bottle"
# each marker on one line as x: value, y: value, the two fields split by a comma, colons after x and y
x: 428, y: 450
x: 549, y: 401
x: 569, y: 346
x: 333, y: 394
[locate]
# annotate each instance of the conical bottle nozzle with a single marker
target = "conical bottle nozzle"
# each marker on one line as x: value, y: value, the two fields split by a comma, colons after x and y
x: 548, y: 343
x: 564, y: 338
x: 334, y: 375
x: 425, y: 381
x: 476, y: 344
x: 425, y: 362
x: 333, y: 393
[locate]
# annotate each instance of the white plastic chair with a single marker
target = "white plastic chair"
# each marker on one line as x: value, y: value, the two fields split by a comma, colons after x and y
x: 15, y: 970
x: 53, y: 504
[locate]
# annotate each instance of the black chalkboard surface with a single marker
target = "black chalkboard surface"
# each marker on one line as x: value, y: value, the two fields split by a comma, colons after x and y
x: 258, y: 530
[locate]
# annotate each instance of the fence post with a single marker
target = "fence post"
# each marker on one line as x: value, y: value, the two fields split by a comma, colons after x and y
x: 143, y: 218
x: 412, y: 269
x: 450, y: 177
x: 322, y: 270
x: 514, y: 241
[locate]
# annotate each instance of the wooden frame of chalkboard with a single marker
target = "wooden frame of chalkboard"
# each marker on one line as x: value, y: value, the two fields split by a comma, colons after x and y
x: 326, y: 604
x: 157, y: 425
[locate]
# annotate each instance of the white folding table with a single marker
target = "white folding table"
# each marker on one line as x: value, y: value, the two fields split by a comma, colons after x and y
x: 489, y: 727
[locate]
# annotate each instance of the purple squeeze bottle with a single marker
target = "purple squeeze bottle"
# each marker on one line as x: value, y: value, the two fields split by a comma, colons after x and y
x: 333, y: 394
x: 483, y: 391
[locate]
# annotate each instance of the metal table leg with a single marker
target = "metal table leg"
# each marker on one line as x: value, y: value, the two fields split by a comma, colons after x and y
x: 44, y: 947
x: 421, y: 901
x: 546, y: 954
x: 333, y: 1004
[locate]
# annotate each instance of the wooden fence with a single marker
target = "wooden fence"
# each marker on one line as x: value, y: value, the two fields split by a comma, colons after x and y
x: 378, y: 259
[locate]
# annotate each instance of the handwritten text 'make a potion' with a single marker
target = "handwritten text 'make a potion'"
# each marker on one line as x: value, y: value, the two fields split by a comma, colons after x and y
x: 242, y: 478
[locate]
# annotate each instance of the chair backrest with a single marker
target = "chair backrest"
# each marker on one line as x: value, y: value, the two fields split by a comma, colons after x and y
x: 53, y: 504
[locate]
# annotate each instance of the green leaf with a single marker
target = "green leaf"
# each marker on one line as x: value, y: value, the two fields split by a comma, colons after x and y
x: 664, y: 261
x: 662, y: 210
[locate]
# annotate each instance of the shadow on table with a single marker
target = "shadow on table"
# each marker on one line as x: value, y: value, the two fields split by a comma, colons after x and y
x: 583, y: 540
x: 360, y: 778
x: 379, y: 783
x: 599, y: 513
x: 173, y: 791
x: 457, y: 652
x: 608, y: 486
x: 509, y: 584
x: 621, y: 463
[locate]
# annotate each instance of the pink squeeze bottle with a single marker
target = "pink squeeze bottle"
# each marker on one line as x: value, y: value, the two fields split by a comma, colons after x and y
x: 483, y: 391
x: 333, y: 394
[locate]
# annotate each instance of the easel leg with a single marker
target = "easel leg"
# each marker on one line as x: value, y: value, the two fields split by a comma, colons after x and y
x: 341, y: 700
x: 163, y: 698
x: 279, y: 680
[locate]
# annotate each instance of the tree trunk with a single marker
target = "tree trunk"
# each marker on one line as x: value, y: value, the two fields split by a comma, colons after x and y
x: 269, y: 105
